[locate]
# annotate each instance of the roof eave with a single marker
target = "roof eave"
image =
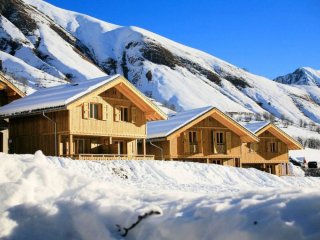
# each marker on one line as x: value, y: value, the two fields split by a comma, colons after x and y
x: 296, y: 145
x: 33, y: 112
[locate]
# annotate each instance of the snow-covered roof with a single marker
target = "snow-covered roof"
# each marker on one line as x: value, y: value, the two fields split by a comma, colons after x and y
x: 163, y: 128
x: 254, y: 127
x: 54, y: 97
x: 11, y: 85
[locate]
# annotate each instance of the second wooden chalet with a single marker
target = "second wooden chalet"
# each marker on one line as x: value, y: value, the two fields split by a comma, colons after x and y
x: 271, y: 153
x: 95, y: 119
x: 202, y: 135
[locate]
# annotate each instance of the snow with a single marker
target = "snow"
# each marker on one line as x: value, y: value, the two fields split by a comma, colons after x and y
x: 308, y: 154
x: 163, y: 128
x: 298, y: 132
x: 301, y: 76
x: 255, y: 126
x: 178, y: 86
x: 57, y: 198
x: 52, y: 97
x: 24, y: 76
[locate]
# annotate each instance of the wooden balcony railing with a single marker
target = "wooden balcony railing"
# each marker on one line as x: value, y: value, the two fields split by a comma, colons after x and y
x: 221, y: 149
x: 193, y: 148
x: 112, y: 157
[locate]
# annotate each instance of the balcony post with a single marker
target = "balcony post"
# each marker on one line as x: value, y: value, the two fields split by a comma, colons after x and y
x: 71, y: 150
x: 144, y: 147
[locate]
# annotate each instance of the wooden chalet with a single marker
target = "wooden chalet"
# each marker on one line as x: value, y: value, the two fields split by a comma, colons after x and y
x: 270, y: 154
x: 202, y: 135
x: 97, y: 119
x: 8, y: 93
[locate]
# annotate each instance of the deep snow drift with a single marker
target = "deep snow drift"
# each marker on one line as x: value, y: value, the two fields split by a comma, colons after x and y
x: 56, y: 198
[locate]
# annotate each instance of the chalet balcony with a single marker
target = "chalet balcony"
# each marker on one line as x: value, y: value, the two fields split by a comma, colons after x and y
x: 220, y: 149
x: 193, y: 148
x: 111, y: 157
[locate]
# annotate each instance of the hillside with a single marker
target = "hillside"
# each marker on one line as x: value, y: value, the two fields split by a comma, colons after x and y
x: 56, y: 45
x: 57, y: 198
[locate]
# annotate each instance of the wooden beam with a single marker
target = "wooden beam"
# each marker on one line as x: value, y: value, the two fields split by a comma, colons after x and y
x: 71, y: 150
x: 60, y: 146
x: 144, y: 146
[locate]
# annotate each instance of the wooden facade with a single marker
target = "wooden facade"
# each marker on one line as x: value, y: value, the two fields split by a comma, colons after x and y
x: 270, y: 154
x: 8, y: 93
x: 107, y: 123
x: 211, y: 138
x: 215, y: 138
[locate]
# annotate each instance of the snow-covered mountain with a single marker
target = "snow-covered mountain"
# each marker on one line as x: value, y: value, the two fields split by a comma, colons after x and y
x: 42, y: 45
x: 301, y: 76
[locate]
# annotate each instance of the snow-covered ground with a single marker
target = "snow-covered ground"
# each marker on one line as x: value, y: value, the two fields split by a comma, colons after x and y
x: 56, y: 198
x: 310, y: 155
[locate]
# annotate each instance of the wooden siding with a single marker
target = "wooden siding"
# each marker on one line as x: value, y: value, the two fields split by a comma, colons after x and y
x: 175, y: 148
x: 29, y: 134
x: 260, y: 153
x: 106, y: 125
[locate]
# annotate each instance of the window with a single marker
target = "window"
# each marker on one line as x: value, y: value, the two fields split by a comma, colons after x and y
x: 272, y: 147
x: 193, y: 144
x: 220, y: 138
x: 192, y: 137
x: 124, y: 114
x: 94, y: 110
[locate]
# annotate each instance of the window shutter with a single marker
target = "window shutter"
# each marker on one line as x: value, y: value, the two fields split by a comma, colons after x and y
x: 214, y: 143
x: 279, y: 147
x: 186, y: 143
x: 228, y: 142
x: 255, y: 147
x: 268, y: 147
x: 199, y: 139
x: 249, y: 146
x: 85, y: 110
x: 104, y: 112
x: 117, y: 114
x: 133, y: 114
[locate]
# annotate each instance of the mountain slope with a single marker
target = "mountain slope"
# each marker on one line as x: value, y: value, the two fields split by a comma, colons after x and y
x: 30, y: 35
x: 301, y: 76
x: 75, y: 47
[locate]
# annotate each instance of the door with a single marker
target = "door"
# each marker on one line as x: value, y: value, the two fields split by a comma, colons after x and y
x: 119, y: 147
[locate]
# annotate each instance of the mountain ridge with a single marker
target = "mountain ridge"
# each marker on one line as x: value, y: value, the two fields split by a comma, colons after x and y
x: 301, y: 76
x: 178, y: 76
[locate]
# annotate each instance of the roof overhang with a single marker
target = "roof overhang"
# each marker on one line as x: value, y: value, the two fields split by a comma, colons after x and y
x: 5, y: 83
x: 280, y: 134
x: 132, y: 93
x: 151, y: 111
x: 228, y: 122
x: 34, y: 112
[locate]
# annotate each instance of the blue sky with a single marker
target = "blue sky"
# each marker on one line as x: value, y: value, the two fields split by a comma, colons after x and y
x: 267, y: 37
